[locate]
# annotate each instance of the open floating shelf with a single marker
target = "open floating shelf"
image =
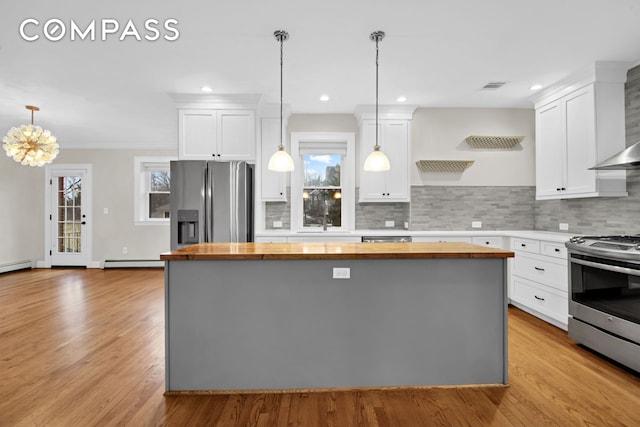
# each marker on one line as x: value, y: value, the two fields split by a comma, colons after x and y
x: 493, y: 142
x: 444, y: 166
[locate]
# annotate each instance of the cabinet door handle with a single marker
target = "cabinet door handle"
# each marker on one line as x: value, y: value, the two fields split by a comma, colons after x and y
x: 539, y: 268
x: 538, y: 298
x: 563, y: 189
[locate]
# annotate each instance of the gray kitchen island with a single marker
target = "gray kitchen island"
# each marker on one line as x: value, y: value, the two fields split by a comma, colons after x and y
x: 307, y: 316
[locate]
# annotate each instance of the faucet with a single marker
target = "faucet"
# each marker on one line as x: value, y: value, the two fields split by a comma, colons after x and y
x: 326, y: 213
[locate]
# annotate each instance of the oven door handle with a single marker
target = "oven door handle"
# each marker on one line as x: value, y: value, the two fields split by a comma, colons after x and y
x: 614, y: 268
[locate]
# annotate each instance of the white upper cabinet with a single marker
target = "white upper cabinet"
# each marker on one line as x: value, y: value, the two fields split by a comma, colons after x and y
x: 394, y: 135
x: 578, y: 125
x: 206, y: 134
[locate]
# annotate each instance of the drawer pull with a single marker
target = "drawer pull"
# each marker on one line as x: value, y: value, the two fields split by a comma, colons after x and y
x: 539, y: 268
x: 538, y: 298
x: 523, y: 245
x: 557, y: 250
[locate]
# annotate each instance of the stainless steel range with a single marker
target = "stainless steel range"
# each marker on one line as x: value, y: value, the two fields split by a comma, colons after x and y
x: 604, y: 288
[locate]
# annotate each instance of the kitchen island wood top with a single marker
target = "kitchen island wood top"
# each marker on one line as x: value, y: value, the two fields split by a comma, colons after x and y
x: 337, y: 250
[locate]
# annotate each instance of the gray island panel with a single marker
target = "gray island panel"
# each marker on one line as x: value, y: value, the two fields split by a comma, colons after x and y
x: 284, y: 324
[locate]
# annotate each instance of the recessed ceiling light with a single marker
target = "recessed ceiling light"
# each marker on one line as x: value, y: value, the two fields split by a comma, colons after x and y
x: 402, y: 99
x: 206, y: 89
x: 536, y: 87
x: 324, y: 98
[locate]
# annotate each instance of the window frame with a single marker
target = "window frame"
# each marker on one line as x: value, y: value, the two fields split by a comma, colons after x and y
x: 142, y: 168
x: 320, y: 142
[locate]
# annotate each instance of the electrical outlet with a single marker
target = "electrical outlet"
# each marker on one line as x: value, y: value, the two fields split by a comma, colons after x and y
x: 106, y: 211
x: 564, y: 226
x: 341, y: 273
x: 124, y: 250
x: 476, y: 224
x: 389, y: 223
x: 277, y: 224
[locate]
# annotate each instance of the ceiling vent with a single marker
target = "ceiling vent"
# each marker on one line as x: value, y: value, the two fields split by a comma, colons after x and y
x: 494, y: 85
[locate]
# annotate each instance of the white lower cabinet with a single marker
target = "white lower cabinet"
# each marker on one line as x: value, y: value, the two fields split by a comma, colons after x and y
x: 540, y: 279
x: 490, y: 241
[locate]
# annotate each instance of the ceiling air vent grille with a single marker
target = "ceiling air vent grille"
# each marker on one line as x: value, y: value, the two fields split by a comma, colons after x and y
x: 494, y: 85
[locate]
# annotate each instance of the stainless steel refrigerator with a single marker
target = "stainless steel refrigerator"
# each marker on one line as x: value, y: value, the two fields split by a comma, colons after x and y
x: 211, y: 202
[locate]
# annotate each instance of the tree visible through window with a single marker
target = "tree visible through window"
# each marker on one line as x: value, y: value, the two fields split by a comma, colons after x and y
x: 159, y: 191
x: 322, y: 190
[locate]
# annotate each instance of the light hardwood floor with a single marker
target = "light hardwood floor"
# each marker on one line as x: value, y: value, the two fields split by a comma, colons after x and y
x: 86, y: 347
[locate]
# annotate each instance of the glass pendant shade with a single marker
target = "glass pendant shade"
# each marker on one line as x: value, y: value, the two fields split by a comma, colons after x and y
x: 377, y: 161
x: 30, y: 145
x: 280, y: 161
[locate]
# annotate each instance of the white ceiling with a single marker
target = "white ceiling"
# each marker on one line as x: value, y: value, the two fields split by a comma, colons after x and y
x: 437, y: 53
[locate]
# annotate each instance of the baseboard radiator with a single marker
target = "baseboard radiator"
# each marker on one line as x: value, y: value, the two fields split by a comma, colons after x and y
x: 16, y: 265
x: 133, y: 263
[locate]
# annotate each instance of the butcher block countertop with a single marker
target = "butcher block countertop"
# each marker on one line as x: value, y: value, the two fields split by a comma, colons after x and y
x: 337, y: 250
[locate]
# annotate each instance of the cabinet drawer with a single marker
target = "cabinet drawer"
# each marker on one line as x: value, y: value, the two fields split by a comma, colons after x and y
x: 492, y: 241
x: 545, y: 270
x: 546, y: 301
x: 525, y: 245
x: 557, y: 250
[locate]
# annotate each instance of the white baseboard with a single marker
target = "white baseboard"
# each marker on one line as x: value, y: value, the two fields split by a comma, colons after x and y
x: 132, y: 263
x: 16, y: 265
x: 92, y: 264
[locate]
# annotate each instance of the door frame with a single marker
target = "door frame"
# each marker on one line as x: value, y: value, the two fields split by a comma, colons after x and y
x: 86, y: 209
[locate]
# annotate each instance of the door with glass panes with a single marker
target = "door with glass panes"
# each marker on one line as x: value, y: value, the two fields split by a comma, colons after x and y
x: 69, y: 216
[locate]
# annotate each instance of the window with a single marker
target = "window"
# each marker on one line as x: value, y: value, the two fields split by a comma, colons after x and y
x: 158, y: 196
x: 152, y: 190
x: 323, y: 182
x: 322, y: 190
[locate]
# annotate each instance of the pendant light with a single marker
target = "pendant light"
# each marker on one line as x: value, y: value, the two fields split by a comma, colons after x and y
x: 29, y: 144
x: 376, y: 160
x: 281, y: 161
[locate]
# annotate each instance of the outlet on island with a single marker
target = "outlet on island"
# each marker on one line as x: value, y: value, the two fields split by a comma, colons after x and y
x: 341, y: 273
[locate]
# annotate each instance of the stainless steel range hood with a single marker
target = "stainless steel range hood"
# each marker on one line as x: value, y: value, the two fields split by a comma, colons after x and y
x: 628, y: 158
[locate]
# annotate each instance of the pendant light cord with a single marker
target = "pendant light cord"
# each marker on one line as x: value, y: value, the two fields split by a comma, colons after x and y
x: 377, y: 147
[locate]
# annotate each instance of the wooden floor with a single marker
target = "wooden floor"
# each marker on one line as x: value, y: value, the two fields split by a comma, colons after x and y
x: 86, y: 348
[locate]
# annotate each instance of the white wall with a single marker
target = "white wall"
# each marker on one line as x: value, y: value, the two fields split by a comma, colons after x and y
x: 113, y: 189
x: 21, y: 211
x: 439, y: 133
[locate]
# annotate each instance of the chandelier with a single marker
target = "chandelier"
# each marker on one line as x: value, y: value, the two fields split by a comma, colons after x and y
x: 29, y: 144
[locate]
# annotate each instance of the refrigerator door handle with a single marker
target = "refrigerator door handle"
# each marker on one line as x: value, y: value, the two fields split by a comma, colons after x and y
x: 208, y: 194
x: 233, y: 226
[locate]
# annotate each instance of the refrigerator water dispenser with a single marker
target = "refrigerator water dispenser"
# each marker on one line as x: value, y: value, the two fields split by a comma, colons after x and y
x: 187, y: 227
